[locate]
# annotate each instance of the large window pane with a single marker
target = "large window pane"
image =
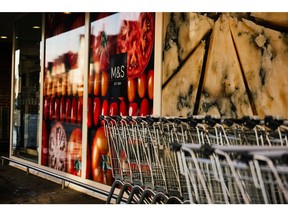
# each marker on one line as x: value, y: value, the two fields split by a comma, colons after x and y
x: 63, y: 92
x: 26, y: 86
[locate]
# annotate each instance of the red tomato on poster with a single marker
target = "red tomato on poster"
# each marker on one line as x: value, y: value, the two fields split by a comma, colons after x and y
x: 74, y: 152
x: 136, y: 38
x: 100, y: 158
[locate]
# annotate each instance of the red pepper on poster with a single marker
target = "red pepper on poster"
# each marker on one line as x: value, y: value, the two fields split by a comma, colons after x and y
x: 79, y: 110
x: 74, y: 110
x: 68, y: 110
x: 105, y: 109
x: 57, y: 109
x: 150, y: 84
x: 123, y: 108
x: 51, y: 109
x: 44, y: 156
x: 46, y: 108
x: 62, y: 109
x: 133, y: 109
x: 144, y: 108
x: 96, y: 110
x: 113, y: 109
x: 89, y: 112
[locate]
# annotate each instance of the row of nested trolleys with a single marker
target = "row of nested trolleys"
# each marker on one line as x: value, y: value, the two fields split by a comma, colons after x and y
x: 199, y: 159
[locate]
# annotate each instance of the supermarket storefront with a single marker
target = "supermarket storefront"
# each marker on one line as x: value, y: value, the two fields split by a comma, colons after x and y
x: 71, y: 69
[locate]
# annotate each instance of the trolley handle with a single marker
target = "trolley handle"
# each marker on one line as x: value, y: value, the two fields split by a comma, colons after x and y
x: 175, y: 146
x: 272, y: 122
x: 249, y: 122
x: 139, y: 120
x: 177, y: 121
x: 244, y: 157
x: 150, y: 120
x: 211, y: 121
x: 118, y: 118
x: 207, y: 150
x: 193, y: 122
x: 102, y: 118
x: 228, y: 122
x: 129, y: 118
x: 164, y: 120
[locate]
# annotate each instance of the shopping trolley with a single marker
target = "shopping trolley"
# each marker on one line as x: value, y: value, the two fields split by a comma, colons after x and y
x: 215, y: 172
x: 199, y: 159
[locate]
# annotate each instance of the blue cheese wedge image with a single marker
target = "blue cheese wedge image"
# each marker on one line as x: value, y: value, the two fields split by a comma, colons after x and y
x: 223, y: 92
x: 263, y: 54
x: 179, y: 95
x: 182, y: 34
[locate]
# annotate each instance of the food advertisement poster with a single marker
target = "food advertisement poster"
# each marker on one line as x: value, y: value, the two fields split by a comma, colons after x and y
x: 225, y: 64
x: 120, y: 79
x: 120, y: 82
x: 63, y: 93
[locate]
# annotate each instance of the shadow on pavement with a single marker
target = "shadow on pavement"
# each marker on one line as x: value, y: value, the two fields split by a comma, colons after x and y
x: 18, y: 187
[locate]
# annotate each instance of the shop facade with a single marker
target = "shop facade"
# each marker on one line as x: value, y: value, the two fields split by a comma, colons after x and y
x: 70, y: 69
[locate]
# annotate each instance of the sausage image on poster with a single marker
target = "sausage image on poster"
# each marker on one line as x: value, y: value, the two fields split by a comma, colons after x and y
x: 120, y: 78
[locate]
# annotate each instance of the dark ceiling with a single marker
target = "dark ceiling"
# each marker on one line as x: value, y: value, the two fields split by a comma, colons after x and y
x: 6, y: 25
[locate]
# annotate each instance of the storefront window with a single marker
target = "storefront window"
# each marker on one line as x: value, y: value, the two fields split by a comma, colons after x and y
x: 26, y: 86
x: 63, y: 92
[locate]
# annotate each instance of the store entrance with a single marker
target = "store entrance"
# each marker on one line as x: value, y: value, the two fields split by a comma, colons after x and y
x: 27, y: 86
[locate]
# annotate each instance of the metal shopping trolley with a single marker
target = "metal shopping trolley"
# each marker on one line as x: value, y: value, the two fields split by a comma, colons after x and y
x: 235, y: 174
x: 200, y: 159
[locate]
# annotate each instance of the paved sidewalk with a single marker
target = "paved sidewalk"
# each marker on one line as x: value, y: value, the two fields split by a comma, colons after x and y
x: 18, y: 187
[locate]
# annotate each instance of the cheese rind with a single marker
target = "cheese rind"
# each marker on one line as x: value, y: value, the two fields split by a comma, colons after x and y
x: 275, y: 18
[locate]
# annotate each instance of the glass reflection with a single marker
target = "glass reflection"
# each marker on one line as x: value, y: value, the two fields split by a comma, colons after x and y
x: 26, y: 87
